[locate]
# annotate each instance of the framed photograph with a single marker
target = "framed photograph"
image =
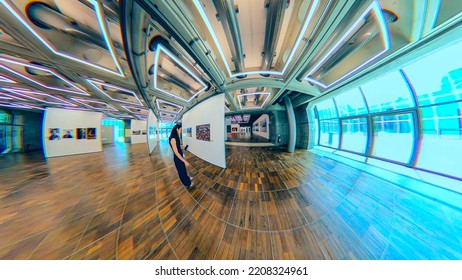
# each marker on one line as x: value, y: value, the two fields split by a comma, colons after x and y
x: 136, y: 132
x: 68, y: 133
x: 91, y: 133
x: 263, y: 126
x: 55, y: 134
x: 81, y: 133
x: 203, y: 132
x: 189, y: 131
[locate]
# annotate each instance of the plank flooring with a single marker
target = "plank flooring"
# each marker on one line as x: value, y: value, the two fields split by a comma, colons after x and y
x: 267, y: 204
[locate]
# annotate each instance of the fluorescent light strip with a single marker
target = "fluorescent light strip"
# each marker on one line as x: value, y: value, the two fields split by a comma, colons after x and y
x: 227, y: 109
x: 27, y: 93
x: 115, y: 87
x: 169, y: 54
x: 79, y: 91
x: 5, y: 79
x: 385, y: 36
x: 82, y: 101
x: 172, y: 104
x: 253, y: 93
x: 289, y: 59
x: 51, y: 48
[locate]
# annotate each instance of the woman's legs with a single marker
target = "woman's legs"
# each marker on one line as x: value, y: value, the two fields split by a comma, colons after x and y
x: 182, y: 173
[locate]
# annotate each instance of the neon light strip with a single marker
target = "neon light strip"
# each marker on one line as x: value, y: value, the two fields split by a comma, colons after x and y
x: 13, y: 105
x: 5, y: 79
x: 253, y: 93
x: 8, y: 96
x: 169, y: 54
x: 289, y: 59
x: 82, y: 101
x: 172, y: 104
x: 385, y: 38
x: 31, y: 106
x: 50, y: 47
x: 80, y: 91
x: 27, y: 93
x: 114, y: 87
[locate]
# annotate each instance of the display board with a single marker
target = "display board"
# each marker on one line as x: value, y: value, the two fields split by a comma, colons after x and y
x: 70, y: 132
x: 204, y: 130
x: 153, y: 134
x: 138, y: 131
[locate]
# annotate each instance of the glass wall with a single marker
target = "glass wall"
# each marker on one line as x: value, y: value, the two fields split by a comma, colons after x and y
x: 411, y: 116
x: 118, y: 129
x: 11, y: 132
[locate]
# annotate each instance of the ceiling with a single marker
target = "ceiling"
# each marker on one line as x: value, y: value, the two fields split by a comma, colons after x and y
x: 123, y: 58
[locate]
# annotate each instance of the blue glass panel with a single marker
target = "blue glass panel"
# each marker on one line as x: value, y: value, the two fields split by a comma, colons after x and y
x: 393, y: 137
x: 350, y: 103
x: 329, y: 133
x: 326, y: 109
x: 437, y: 78
x: 388, y: 93
x: 441, y: 147
x: 354, y: 135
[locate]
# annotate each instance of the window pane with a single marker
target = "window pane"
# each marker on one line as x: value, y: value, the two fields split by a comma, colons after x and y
x: 393, y: 137
x: 350, y: 103
x: 329, y: 132
x: 388, y: 93
x: 441, y: 148
x: 5, y: 117
x: 354, y: 135
x: 437, y: 77
x: 326, y: 109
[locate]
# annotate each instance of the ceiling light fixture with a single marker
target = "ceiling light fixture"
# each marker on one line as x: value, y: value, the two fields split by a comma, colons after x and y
x: 136, y: 111
x: 40, y: 68
x: 373, y: 7
x: 100, y: 18
x: 201, y: 11
x: 5, y: 79
x: 87, y: 103
x: 95, y: 83
x: 29, y: 94
x: 159, y: 107
x: 253, y: 93
x: 160, y: 48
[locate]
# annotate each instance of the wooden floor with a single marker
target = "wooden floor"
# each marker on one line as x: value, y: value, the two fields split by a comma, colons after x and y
x: 268, y: 204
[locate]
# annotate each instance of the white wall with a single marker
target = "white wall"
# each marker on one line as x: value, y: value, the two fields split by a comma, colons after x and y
x: 259, y: 121
x: 210, y: 111
x: 138, y: 125
x: 107, y: 134
x: 70, y: 120
x: 152, y: 131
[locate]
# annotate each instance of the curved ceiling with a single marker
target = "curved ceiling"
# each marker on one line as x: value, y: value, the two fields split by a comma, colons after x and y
x: 125, y: 57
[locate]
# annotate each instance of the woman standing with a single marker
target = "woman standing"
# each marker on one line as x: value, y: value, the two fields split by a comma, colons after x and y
x: 180, y: 162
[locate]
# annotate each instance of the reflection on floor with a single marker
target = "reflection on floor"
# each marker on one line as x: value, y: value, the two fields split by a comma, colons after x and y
x: 268, y: 204
x: 246, y: 137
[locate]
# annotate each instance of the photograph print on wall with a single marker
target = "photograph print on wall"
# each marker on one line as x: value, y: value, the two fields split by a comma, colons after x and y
x: 203, y: 132
x: 55, y: 134
x: 81, y: 133
x: 91, y: 133
x: 68, y: 133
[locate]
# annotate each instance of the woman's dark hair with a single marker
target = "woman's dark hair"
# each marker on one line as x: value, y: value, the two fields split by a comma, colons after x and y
x: 174, y: 133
